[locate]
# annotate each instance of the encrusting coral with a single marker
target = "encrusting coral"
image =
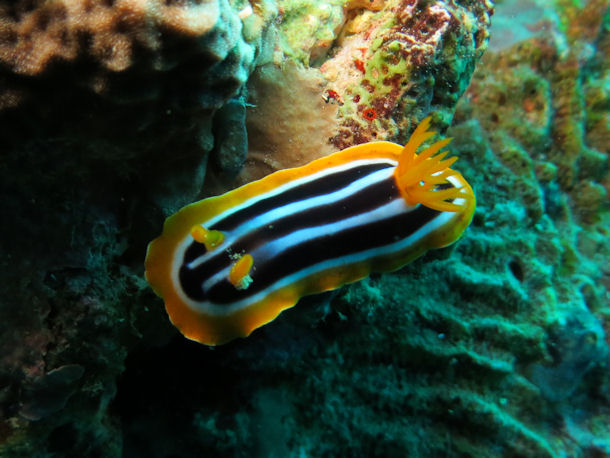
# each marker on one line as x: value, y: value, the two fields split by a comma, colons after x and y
x: 410, y: 57
x: 381, y: 64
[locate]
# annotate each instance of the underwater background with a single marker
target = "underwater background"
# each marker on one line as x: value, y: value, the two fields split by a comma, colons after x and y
x: 116, y: 113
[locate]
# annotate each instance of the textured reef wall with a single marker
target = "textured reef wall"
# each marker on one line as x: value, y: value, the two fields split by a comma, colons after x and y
x: 115, y: 114
x: 107, y: 113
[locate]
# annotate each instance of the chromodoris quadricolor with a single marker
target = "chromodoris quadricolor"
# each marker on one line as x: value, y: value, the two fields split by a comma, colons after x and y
x: 230, y: 264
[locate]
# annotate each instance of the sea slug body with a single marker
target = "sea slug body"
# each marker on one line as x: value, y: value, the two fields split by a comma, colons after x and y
x: 229, y: 264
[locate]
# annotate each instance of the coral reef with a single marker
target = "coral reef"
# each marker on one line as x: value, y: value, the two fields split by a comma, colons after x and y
x: 113, y: 37
x: 132, y: 81
x: 548, y: 141
x: 410, y: 58
x: 92, y: 94
x: 382, y: 64
x: 497, y: 346
x: 388, y: 58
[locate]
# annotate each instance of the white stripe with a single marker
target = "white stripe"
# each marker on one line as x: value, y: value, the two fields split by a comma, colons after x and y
x: 455, y: 181
x: 210, y: 309
x: 271, y: 216
x: 274, y: 248
x: 443, y: 219
x: 298, y: 182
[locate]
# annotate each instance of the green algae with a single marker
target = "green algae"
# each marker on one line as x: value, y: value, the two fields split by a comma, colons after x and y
x: 309, y: 27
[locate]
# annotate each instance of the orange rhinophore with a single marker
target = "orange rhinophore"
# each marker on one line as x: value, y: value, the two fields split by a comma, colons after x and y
x: 239, y: 276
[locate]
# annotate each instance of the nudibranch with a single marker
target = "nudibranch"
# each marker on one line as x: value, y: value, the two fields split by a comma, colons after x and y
x: 229, y: 264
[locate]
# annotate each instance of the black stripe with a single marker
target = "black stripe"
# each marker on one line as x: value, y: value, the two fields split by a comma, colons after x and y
x: 365, y: 200
x: 362, y: 201
x: 194, y: 251
x: 325, y: 184
x: 349, y: 241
